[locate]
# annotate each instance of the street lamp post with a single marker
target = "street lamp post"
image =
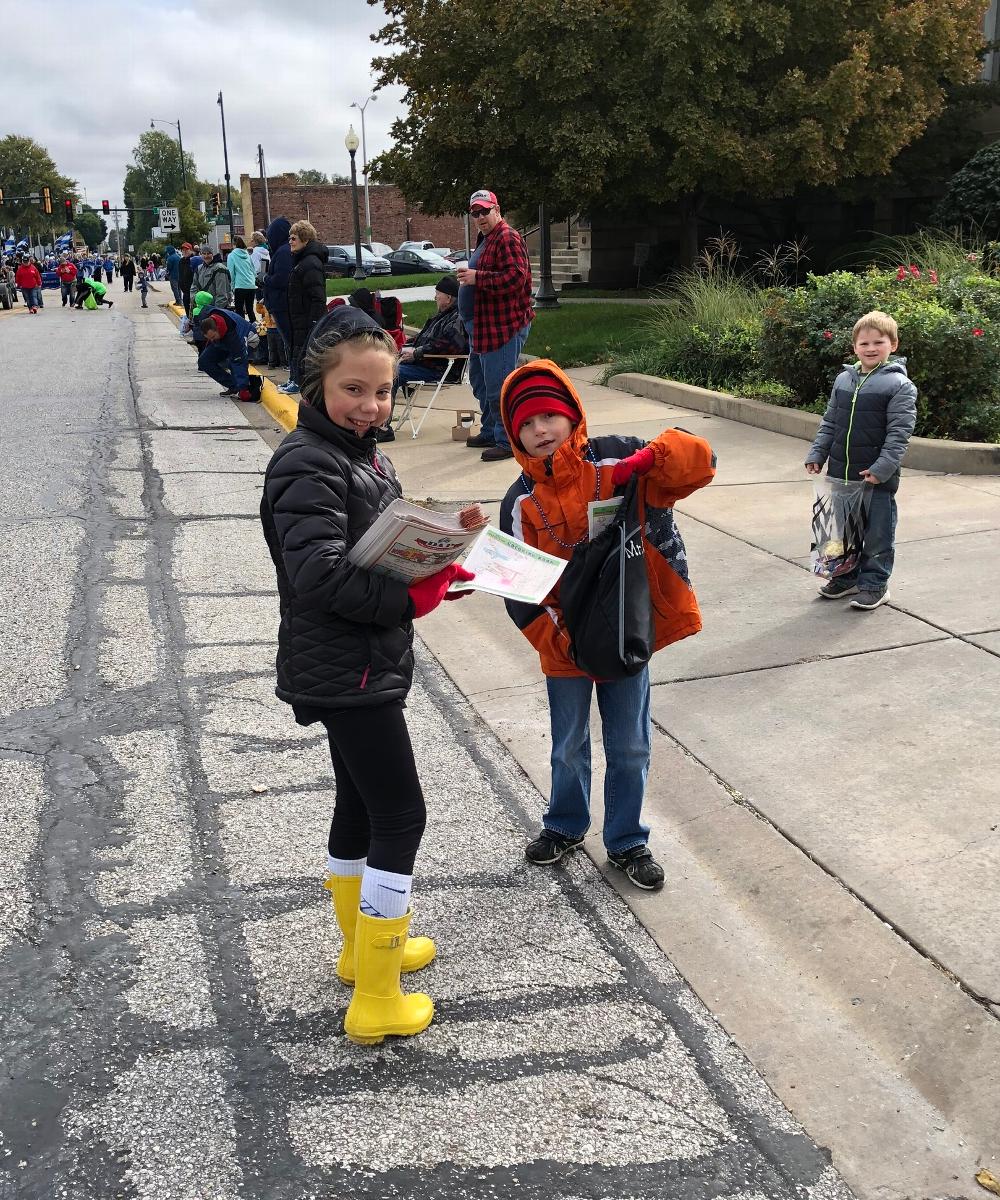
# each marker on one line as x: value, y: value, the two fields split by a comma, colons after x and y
x: 180, y: 145
x: 352, y: 143
x: 364, y: 165
x: 225, y: 160
x: 545, y: 297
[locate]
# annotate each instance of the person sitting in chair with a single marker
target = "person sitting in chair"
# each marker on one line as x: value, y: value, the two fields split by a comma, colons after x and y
x: 442, y: 333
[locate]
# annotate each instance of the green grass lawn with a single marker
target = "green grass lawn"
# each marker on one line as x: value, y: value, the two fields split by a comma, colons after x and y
x: 575, y: 336
x: 343, y: 287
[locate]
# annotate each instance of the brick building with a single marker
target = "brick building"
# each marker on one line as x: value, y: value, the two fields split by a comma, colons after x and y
x: 328, y: 207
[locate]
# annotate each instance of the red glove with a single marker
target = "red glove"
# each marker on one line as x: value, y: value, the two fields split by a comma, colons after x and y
x: 428, y: 593
x: 636, y: 464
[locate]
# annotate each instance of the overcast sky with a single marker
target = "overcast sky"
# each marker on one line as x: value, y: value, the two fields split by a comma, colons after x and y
x: 85, y: 79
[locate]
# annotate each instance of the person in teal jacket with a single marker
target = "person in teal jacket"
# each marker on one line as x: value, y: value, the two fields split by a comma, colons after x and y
x: 244, y: 277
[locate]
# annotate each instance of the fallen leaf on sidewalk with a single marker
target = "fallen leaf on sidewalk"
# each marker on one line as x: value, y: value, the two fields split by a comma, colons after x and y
x: 986, y: 1179
x: 259, y: 788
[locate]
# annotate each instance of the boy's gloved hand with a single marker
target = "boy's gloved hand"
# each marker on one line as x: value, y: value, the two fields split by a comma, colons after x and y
x: 636, y: 464
x: 428, y: 593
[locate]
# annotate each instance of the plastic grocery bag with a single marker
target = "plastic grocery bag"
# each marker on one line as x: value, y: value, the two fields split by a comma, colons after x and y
x: 185, y: 327
x: 89, y: 301
x: 839, y: 517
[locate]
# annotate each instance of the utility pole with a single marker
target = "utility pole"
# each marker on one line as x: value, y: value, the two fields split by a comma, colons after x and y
x: 225, y: 159
x: 263, y: 179
x: 364, y: 165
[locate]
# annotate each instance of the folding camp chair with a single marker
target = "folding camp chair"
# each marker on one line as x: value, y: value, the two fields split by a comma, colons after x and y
x: 413, y: 389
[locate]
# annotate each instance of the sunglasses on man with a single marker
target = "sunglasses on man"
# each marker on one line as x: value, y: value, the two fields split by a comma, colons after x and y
x: 479, y: 212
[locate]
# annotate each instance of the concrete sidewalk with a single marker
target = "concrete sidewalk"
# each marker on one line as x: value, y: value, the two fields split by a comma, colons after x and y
x: 824, y: 792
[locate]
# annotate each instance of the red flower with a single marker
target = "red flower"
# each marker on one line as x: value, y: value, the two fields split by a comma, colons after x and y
x: 901, y: 274
x: 933, y: 276
x: 977, y: 333
x: 914, y: 271
x: 828, y: 335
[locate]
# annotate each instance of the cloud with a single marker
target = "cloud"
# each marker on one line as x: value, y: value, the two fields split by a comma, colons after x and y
x: 288, y: 75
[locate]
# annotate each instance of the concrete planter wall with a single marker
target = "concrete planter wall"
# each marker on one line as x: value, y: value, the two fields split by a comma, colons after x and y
x: 924, y: 454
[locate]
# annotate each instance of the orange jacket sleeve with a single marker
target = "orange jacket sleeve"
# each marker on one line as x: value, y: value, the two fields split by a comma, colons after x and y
x: 683, y: 464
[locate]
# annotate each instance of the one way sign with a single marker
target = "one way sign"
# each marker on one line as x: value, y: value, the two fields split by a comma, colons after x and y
x: 169, y: 221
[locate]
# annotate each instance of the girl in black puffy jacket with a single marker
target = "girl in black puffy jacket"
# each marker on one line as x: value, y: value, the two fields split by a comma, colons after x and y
x: 345, y: 658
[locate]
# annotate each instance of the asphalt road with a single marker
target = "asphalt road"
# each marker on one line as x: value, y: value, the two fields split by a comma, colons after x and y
x: 169, y: 1013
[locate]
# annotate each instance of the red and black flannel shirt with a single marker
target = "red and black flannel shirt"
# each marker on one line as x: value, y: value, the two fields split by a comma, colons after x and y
x: 503, y: 290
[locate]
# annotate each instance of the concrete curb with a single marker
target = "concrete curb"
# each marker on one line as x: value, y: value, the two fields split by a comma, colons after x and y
x: 924, y: 454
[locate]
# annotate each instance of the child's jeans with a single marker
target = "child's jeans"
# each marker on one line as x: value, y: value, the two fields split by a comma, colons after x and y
x: 879, y: 549
x: 626, y: 731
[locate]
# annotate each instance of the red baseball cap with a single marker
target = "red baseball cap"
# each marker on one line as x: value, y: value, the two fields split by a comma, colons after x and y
x: 483, y: 198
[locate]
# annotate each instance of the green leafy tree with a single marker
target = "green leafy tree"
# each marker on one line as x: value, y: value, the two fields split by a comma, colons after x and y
x: 590, y: 104
x: 154, y: 177
x: 310, y: 175
x: 91, y: 227
x: 972, y: 200
x: 27, y: 167
x: 194, y: 227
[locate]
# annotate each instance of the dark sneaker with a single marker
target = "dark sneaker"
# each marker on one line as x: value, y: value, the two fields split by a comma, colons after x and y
x: 480, y: 441
x: 866, y: 601
x: 550, y: 847
x: 496, y: 453
x: 837, y: 588
x: 640, y: 866
x: 229, y: 392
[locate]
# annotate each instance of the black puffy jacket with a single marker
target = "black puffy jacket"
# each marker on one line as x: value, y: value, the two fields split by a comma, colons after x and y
x: 306, y: 290
x: 346, y: 636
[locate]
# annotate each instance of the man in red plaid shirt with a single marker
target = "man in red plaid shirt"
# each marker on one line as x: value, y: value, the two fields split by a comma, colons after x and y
x: 494, y: 302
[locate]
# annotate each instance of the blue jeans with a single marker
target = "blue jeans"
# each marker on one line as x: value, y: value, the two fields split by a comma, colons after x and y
x: 487, y: 373
x: 626, y: 731
x: 175, y: 287
x: 32, y: 297
x: 879, y: 550
x: 228, y: 372
x: 68, y: 292
x: 412, y: 372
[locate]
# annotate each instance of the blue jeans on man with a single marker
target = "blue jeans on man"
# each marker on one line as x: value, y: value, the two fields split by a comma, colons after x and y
x: 175, y: 287
x: 227, y: 366
x: 67, y: 289
x: 413, y: 373
x: 32, y: 297
x: 626, y: 732
x: 879, y: 551
x: 487, y: 373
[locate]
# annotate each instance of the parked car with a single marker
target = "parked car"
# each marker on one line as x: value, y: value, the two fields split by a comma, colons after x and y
x: 379, y: 249
x: 341, y: 262
x: 442, y: 250
x: 419, y: 262
x: 457, y: 256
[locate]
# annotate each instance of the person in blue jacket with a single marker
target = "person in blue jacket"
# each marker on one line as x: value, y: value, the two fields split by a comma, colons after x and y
x: 173, y: 265
x: 109, y: 268
x: 225, y: 357
x: 276, y: 284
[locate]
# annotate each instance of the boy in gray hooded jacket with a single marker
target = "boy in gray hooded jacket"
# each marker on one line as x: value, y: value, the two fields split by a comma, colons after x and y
x: 863, y: 436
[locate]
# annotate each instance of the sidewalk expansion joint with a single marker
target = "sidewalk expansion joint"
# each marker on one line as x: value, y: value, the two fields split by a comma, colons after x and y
x: 748, y: 805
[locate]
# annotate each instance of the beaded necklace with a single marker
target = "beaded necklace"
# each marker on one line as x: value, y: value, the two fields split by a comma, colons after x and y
x: 589, y: 454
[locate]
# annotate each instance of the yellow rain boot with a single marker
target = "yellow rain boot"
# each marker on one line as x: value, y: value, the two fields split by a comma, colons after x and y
x: 345, y: 892
x: 378, y: 1008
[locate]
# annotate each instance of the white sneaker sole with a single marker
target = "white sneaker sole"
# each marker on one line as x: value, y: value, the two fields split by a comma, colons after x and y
x: 871, y: 607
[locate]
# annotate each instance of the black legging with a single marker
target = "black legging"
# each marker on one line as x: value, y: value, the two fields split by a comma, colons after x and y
x: 379, y: 813
x: 128, y: 280
x: 243, y: 302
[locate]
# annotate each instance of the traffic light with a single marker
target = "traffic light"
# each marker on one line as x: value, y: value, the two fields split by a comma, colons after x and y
x: 216, y: 204
x: 46, y: 200
x: 69, y: 211
x: 105, y: 207
x: 156, y: 211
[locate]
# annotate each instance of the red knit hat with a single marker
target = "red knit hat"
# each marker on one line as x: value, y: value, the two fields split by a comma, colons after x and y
x: 220, y: 324
x: 538, y: 392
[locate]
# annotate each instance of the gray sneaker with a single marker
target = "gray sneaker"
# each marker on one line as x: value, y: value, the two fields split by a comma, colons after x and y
x: 866, y: 601
x: 837, y: 588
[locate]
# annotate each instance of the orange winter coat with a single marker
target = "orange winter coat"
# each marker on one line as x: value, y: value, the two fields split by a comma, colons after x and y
x: 547, y: 507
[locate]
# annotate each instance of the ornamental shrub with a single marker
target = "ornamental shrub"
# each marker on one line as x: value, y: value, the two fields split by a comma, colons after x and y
x: 948, y: 333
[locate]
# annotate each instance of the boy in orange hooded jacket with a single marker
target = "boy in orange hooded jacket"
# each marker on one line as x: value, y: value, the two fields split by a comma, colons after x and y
x: 562, y: 471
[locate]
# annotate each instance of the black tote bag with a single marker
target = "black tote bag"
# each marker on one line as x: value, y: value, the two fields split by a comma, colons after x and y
x: 604, y: 596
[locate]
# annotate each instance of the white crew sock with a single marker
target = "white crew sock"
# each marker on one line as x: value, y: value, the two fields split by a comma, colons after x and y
x: 385, y: 894
x: 345, y: 866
